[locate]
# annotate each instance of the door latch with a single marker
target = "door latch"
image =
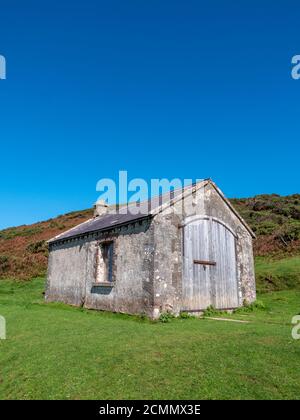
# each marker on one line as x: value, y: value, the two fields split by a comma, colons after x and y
x: 202, y: 262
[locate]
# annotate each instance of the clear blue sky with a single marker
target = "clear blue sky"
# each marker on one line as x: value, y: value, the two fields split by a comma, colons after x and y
x: 188, y: 89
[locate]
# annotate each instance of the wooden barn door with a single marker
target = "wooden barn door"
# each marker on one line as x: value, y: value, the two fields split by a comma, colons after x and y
x: 210, y: 274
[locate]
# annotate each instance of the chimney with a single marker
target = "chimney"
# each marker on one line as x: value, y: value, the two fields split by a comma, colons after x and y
x: 100, y: 208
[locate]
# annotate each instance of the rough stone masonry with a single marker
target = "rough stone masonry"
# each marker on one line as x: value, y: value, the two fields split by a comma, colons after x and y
x: 183, y: 253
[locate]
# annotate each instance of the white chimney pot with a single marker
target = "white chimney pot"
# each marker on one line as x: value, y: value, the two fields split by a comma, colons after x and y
x: 100, y: 208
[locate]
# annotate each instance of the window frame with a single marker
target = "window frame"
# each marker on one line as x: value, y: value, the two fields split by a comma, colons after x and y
x: 104, y: 258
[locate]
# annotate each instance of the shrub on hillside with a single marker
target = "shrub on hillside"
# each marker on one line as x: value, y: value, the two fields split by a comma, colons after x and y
x: 4, y: 263
x: 38, y: 247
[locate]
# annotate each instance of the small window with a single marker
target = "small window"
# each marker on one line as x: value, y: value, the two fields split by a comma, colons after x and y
x: 105, y: 263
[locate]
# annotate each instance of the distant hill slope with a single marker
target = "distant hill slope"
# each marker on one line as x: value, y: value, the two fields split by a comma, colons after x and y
x: 23, y: 249
x: 274, y: 219
x: 276, y: 222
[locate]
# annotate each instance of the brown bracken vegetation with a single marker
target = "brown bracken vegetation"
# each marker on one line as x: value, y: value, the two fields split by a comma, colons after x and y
x: 276, y: 222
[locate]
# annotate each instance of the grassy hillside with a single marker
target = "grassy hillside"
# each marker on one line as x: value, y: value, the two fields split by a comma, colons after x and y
x: 55, y: 351
x: 276, y: 223
x: 274, y: 219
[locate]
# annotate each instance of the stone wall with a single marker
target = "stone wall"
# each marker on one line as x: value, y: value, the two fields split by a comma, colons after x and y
x: 167, y: 264
x: 67, y: 267
x: 72, y: 271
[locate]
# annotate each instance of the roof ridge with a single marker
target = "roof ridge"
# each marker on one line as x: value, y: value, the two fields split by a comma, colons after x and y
x: 183, y: 188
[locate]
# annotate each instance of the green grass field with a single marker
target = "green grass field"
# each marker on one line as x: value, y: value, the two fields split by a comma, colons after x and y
x: 56, y: 351
x: 273, y: 275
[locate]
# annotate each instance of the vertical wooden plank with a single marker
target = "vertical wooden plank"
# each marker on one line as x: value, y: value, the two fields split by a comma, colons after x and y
x: 191, y: 268
x: 226, y: 275
x: 206, y: 274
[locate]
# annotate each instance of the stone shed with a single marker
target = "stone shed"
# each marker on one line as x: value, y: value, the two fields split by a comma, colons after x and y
x: 182, y: 251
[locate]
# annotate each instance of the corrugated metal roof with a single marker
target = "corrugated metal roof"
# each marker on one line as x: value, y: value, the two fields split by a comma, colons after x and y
x: 124, y: 215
